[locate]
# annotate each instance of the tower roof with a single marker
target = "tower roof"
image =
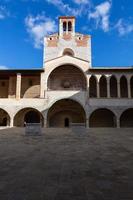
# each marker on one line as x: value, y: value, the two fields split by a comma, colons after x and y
x: 66, y: 17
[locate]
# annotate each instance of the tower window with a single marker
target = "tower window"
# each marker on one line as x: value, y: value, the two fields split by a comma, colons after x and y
x: 68, y: 52
x: 69, y: 26
x: 64, y: 26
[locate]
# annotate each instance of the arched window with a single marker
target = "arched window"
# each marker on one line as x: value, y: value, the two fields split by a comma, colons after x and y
x: 68, y: 52
x: 69, y: 26
x: 92, y: 87
x: 131, y: 86
x: 123, y: 87
x: 113, y: 87
x: 64, y: 26
x: 103, y: 87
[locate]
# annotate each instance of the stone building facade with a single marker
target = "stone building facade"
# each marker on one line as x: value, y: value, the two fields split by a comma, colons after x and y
x: 68, y: 90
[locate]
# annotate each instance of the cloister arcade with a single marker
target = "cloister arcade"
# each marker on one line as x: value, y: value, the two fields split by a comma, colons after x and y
x: 65, y: 113
x: 105, y: 86
x: 69, y: 77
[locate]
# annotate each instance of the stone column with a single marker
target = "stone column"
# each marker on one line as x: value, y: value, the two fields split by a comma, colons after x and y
x: 118, y: 88
x: 11, y: 122
x: 18, y: 86
x: 45, y: 122
x: 87, y: 123
x: 108, y: 88
x: 42, y: 86
x: 88, y: 87
x: 10, y: 87
x: 98, y: 90
x: 66, y: 27
x: 118, y: 123
x: 129, y: 88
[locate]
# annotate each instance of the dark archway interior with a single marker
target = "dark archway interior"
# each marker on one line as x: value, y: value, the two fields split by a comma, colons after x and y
x: 131, y: 84
x: 66, y: 112
x: 92, y: 87
x: 126, y: 119
x: 113, y: 87
x: 4, y: 118
x: 102, y: 118
x: 123, y: 87
x: 28, y: 115
x: 103, y: 87
x: 32, y: 117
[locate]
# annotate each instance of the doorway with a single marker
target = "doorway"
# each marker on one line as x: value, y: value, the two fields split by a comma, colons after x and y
x: 66, y: 122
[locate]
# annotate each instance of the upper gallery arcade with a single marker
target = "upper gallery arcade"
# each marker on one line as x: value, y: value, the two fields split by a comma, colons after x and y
x: 67, y: 86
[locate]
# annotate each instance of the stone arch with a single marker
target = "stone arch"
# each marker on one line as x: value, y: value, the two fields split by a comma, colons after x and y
x: 4, y: 118
x: 68, y: 52
x: 113, y: 87
x: 92, y: 87
x: 66, y: 109
x: 126, y: 118
x: 102, y: 117
x: 123, y: 87
x: 103, y: 86
x: 61, y: 78
x: 131, y: 86
x: 28, y: 115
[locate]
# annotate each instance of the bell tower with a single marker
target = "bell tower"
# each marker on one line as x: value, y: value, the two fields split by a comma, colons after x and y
x: 67, y: 26
x: 67, y: 42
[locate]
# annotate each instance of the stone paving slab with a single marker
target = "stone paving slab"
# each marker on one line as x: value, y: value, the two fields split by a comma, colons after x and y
x: 66, y: 164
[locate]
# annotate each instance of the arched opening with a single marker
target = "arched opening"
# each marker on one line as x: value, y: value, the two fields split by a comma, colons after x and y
x: 64, y: 26
x: 4, y: 118
x: 92, y: 87
x: 123, y: 87
x: 68, y: 52
x: 131, y: 86
x: 65, y: 113
x: 67, y: 77
x: 103, y: 87
x: 126, y: 119
x: 69, y: 26
x: 102, y: 118
x: 28, y: 115
x: 113, y: 87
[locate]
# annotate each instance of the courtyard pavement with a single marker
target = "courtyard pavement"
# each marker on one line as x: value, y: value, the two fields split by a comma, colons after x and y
x: 66, y: 164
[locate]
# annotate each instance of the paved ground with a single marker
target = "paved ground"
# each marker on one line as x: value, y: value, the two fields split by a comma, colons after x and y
x: 66, y: 165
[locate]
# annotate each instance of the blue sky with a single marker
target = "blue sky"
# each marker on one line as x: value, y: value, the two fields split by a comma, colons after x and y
x: 24, y: 23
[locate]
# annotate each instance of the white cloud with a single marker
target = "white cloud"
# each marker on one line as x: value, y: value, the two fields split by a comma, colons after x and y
x: 101, y: 15
x: 67, y: 9
x: 3, y: 12
x: 123, y: 27
x: 38, y: 27
x: 3, y: 67
x: 81, y: 1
